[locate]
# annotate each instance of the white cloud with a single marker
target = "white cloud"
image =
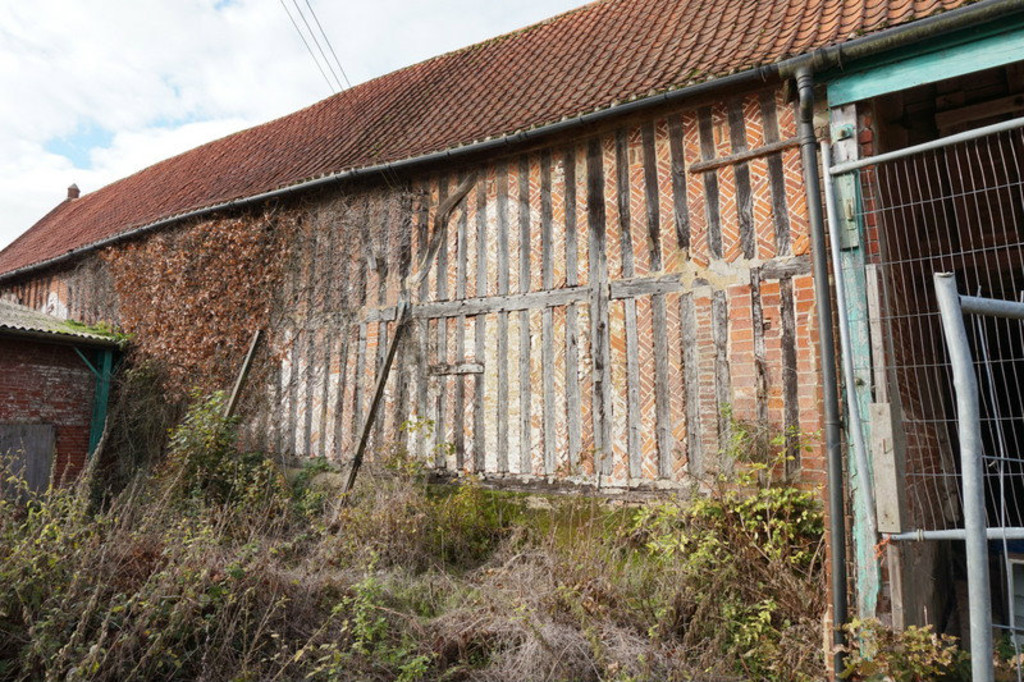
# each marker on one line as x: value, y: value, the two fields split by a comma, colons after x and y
x: 147, y: 79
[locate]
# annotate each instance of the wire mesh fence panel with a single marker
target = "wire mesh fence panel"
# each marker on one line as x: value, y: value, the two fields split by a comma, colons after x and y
x: 958, y: 209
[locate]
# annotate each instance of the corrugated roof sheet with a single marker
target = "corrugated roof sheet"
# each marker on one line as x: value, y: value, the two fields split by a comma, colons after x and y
x: 602, y: 54
x: 20, y: 320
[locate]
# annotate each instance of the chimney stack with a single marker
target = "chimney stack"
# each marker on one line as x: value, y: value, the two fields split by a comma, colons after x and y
x: 74, y: 192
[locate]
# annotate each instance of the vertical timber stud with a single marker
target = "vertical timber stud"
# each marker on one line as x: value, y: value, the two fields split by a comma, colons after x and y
x: 599, y: 307
x: 623, y: 194
x: 572, y: 386
x: 844, y: 132
x: 501, y: 402
x: 459, y: 408
x: 480, y: 329
x: 706, y: 131
x: 663, y: 407
x: 548, y: 333
x: 441, y: 356
x: 525, y: 254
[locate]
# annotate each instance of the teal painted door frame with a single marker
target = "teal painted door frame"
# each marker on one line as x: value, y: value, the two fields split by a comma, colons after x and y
x: 930, y: 62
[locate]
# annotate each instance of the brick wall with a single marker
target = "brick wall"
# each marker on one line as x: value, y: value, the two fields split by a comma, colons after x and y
x: 44, y: 383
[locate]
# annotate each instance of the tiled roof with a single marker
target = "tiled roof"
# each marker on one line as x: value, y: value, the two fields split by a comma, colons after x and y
x: 19, y: 320
x: 588, y: 59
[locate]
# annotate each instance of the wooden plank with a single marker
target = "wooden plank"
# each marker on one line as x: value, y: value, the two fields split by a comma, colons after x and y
x: 501, y: 401
x: 479, y: 422
x: 525, y: 393
x: 499, y: 304
x: 312, y: 287
x: 339, y: 408
x: 744, y: 156
x: 790, y: 377
x: 779, y: 268
x: 546, y: 236
x: 525, y: 262
x: 651, y: 194
x: 663, y: 404
x: 744, y: 199
x: 601, y: 353
x: 548, y: 356
x: 691, y: 378
x: 297, y: 347
x: 622, y: 196
x: 1012, y: 104
x: 938, y: 65
x: 456, y: 369
x: 441, y: 397
x: 569, y: 195
x: 720, y: 332
x: 574, y: 426
x: 646, y: 286
x: 888, y: 444
x: 707, y: 151
x: 26, y: 451
x: 878, y: 354
x: 680, y: 208
x: 480, y: 329
x: 360, y: 379
x: 760, y: 352
x: 459, y: 406
x: 378, y: 395
x: 547, y: 322
x: 380, y: 365
x: 632, y: 390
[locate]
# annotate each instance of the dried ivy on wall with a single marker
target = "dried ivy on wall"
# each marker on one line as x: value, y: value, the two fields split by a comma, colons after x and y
x: 192, y: 297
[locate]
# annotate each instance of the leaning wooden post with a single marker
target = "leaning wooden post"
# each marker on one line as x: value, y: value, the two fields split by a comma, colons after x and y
x: 402, y: 317
x: 243, y: 374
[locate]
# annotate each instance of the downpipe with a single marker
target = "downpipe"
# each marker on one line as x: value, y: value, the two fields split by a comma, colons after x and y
x: 826, y: 338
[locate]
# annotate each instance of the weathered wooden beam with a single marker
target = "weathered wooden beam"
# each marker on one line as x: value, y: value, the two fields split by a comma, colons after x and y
x: 739, y: 157
x: 572, y: 388
x: 455, y: 369
x: 706, y: 133
x: 243, y: 374
x: 378, y: 394
x: 533, y: 300
x: 744, y: 198
x: 501, y: 425
x: 601, y: 352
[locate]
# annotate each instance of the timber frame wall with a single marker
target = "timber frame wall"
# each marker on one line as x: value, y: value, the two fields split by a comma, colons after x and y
x: 599, y: 309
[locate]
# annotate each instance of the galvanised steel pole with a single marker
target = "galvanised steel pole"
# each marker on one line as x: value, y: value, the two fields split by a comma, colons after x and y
x: 969, y: 424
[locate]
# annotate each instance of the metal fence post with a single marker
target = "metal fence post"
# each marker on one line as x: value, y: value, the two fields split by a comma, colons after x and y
x: 969, y: 422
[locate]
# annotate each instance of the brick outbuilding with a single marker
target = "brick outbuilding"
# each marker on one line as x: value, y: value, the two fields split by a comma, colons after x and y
x: 54, y: 378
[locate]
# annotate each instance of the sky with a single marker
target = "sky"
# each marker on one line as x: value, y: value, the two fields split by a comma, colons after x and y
x: 93, y: 91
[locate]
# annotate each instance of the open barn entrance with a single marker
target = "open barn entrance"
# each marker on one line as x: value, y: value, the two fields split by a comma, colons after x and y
x: 953, y: 201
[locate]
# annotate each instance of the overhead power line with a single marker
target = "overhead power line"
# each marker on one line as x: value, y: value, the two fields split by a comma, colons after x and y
x: 308, y: 48
x: 316, y: 41
x: 329, y: 46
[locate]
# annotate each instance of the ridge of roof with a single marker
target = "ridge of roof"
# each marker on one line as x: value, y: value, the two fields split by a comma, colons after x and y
x: 586, y: 59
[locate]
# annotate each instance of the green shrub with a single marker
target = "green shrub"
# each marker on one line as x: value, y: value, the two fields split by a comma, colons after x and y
x: 916, y: 654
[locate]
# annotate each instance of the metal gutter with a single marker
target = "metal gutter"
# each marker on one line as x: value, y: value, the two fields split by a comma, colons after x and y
x: 827, y: 57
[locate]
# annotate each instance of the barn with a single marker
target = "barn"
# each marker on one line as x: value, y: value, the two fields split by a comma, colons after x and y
x: 600, y: 245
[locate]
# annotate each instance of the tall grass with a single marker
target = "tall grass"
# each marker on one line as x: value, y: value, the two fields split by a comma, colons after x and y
x: 212, y: 566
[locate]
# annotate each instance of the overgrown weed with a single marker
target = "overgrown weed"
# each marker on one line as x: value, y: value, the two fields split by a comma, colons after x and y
x: 213, y: 567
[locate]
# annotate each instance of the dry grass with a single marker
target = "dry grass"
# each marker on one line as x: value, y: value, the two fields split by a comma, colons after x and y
x: 215, y: 568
